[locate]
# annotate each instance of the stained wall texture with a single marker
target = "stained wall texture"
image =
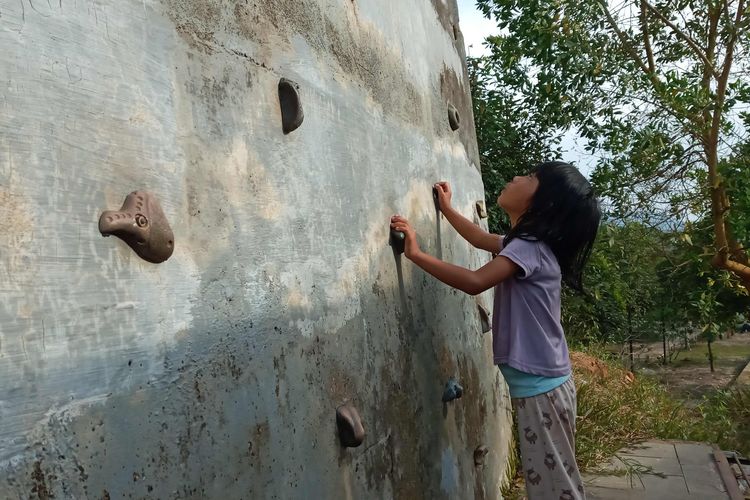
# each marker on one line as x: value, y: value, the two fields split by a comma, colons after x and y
x: 217, y: 373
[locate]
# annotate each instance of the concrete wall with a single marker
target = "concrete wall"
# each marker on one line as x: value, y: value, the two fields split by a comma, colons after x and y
x: 216, y: 374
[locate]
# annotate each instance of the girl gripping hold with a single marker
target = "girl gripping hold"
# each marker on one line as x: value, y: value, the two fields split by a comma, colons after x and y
x: 554, y: 220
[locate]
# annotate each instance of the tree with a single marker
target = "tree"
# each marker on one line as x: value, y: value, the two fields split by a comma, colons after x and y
x: 659, y: 90
x: 509, y: 143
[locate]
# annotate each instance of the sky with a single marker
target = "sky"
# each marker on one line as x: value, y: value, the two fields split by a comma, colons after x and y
x: 475, y: 28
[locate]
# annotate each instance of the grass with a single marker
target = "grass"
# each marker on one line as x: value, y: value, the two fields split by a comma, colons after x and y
x: 722, y: 352
x: 614, y: 413
x: 724, y: 418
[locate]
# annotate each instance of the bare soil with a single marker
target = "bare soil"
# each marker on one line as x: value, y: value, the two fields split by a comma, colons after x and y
x: 688, y: 373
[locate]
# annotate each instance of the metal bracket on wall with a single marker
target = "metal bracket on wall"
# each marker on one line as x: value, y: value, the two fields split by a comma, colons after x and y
x: 141, y: 224
x: 453, y: 118
x: 453, y: 390
x: 351, y: 431
x: 292, y: 114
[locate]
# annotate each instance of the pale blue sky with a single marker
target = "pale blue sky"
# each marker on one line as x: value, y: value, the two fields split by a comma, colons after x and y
x: 475, y: 29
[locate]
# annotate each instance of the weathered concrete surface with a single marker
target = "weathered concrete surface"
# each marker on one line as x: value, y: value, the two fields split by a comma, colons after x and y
x: 217, y: 373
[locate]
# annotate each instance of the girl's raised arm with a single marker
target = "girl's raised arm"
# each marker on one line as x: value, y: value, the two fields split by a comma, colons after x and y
x: 478, y: 237
x: 472, y: 282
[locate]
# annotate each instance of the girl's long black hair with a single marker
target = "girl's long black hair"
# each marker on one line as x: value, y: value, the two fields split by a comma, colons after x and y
x: 564, y: 213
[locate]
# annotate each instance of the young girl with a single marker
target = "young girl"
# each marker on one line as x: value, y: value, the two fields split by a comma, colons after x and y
x: 554, y: 219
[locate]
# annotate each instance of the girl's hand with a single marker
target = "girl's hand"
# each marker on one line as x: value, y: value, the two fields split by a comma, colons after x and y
x: 444, y: 194
x: 411, y: 247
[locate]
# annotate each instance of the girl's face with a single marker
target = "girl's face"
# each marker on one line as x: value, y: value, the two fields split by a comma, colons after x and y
x: 517, y: 195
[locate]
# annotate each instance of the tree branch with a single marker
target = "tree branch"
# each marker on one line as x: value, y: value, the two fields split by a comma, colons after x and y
x: 688, y: 39
x: 646, y: 41
x: 624, y: 40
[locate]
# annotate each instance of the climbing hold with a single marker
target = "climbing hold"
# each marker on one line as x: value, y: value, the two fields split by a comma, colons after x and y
x: 436, y: 198
x: 484, y: 318
x: 479, y: 455
x: 351, y: 432
x: 453, y: 119
x: 292, y: 114
x: 397, y: 241
x: 481, y: 209
x: 452, y: 390
x: 141, y: 224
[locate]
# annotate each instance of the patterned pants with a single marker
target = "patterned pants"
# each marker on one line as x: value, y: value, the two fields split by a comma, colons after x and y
x: 546, y: 433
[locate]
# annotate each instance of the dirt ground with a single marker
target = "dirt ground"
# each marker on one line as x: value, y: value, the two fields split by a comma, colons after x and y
x: 688, y: 374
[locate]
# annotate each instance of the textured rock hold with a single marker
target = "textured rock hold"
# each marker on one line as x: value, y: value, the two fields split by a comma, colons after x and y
x: 292, y: 114
x: 454, y: 120
x: 141, y: 224
x: 453, y: 390
x: 351, y: 431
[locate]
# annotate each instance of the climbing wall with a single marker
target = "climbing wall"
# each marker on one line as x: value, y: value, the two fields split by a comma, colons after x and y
x: 245, y: 329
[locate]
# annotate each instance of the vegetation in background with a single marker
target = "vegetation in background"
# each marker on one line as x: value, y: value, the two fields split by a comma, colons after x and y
x: 660, y: 92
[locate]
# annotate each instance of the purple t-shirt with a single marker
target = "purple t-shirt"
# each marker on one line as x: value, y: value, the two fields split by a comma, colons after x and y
x: 526, y: 329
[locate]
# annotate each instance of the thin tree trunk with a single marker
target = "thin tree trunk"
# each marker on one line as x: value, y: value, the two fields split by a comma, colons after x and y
x: 630, y: 337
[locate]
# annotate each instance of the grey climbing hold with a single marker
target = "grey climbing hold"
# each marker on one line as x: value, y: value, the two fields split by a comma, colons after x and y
x: 453, y: 390
x: 453, y: 119
x: 351, y: 431
x: 436, y: 198
x: 292, y: 114
x: 397, y: 241
x: 141, y: 224
x: 479, y: 454
x: 484, y: 318
x: 481, y: 209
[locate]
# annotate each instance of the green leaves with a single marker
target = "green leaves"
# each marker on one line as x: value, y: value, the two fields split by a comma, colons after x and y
x: 510, y: 141
x: 580, y: 65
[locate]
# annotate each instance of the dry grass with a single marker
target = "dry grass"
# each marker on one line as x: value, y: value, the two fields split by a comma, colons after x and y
x: 614, y: 412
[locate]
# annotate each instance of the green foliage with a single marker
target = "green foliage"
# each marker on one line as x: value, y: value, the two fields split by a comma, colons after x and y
x: 736, y: 172
x: 652, y: 281
x: 627, y: 78
x: 724, y: 419
x: 510, y: 142
x: 628, y: 287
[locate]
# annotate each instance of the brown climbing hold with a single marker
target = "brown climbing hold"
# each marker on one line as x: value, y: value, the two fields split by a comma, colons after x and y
x: 479, y: 454
x: 351, y: 432
x: 481, y: 209
x: 453, y: 119
x: 484, y: 318
x: 292, y: 114
x: 141, y: 224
